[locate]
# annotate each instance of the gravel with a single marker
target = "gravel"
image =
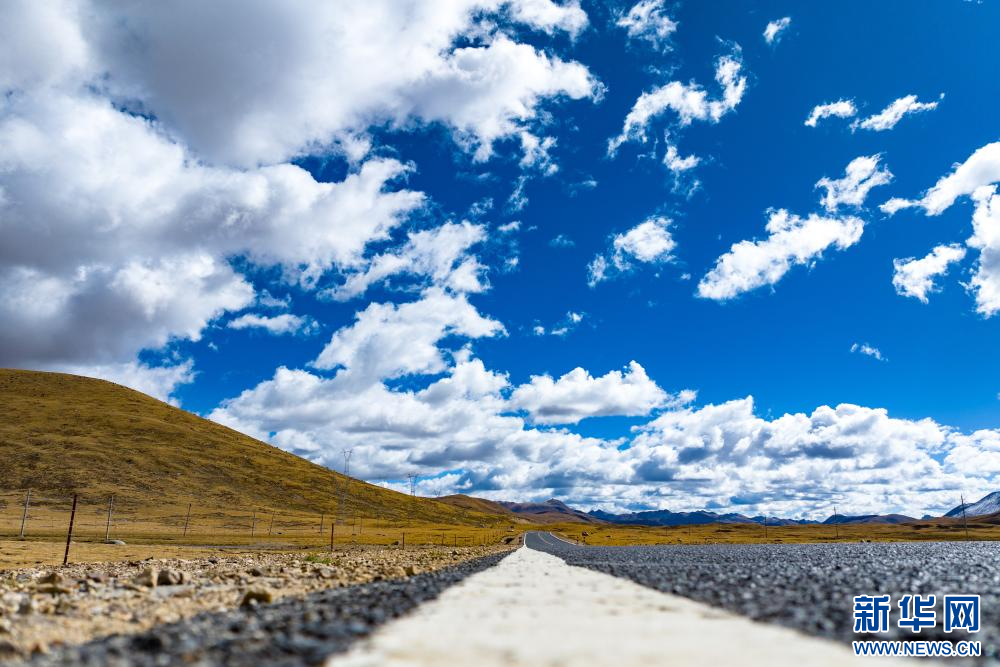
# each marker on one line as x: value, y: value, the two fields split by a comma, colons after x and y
x: 809, y: 586
x: 293, y: 631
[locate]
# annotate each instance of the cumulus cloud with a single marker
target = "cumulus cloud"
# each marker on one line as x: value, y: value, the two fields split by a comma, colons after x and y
x: 145, y: 149
x: 892, y: 114
x: 838, y: 109
x: 985, y: 282
x: 648, y: 20
x: 791, y: 241
x: 578, y: 395
x: 332, y: 71
x: 979, y: 169
x: 868, y: 351
x: 116, y: 240
x: 649, y: 242
x: 915, y: 277
x: 388, y: 340
x: 973, y: 178
x: 157, y: 381
x: 440, y: 255
x: 674, y: 162
x: 689, y: 101
x: 862, y: 174
x: 774, y: 29
x: 285, y: 323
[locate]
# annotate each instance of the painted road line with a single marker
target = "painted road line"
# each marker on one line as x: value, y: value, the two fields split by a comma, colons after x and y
x: 534, y: 609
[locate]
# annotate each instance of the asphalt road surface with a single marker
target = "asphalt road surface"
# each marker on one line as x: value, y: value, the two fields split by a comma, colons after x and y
x: 808, y: 586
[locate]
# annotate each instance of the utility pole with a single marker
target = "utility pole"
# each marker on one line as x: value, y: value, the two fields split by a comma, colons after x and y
x: 836, y: 526
x: 24, y: 516
x: 965, y: 519
x: 412, y: 483
x: 765, y: 525
x: 107, y: 530
x: 343, y: 485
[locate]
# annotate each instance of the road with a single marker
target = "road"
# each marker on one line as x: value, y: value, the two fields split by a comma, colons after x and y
x: 808, y: 587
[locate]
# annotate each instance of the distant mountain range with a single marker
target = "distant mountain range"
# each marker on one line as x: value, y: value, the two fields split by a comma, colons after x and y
x: 869, y: 518
x: 556, y: 511
x: 668, y: 518
x: 989, y: 504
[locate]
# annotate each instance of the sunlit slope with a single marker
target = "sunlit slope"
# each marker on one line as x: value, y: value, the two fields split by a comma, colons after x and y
x: 64, y: 434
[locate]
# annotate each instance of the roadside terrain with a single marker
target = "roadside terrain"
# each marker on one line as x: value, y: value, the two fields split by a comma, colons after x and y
x: 979, y: 528
x: 42, y: 608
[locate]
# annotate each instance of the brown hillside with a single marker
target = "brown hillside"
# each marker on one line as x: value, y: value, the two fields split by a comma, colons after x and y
x: 64, y: 434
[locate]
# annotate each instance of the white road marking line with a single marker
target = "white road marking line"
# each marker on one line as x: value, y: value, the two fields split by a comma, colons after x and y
x: 534, y: 609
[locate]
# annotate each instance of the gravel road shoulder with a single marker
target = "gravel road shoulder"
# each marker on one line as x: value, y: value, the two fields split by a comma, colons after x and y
x: 42, y: 609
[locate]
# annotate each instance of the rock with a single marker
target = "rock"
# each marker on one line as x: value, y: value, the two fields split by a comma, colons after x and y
x: 147, y: 578
x: 256, y: 596
x: 53, y: 589
x: 168, y: 577
x: 257, y: 572
x: 117, y: 542
x: 97, y: 576
x: 51, y: 578
x: 27, y: 606
x: 7, y: 649
x: 411, y: 570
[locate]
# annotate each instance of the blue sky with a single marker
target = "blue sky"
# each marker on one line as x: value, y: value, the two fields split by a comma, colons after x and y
x: 185, y: 199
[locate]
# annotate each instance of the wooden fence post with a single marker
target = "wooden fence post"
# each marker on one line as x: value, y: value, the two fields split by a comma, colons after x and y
x: 253, y: 524
x: 322, y: 516
x: 271, y: 527
x: 24, y: 515
x: 69, y: 534
x: 107, y: 528
x: 187, y: 520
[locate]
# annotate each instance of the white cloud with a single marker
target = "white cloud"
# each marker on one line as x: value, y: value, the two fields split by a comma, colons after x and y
x: 562, y: 328
x: 868, y: 351
x: 985, y: 282
x: 440, y: 255
x: 116, y: 240
x: 975, y: 178
x: 285, y: 323
x: 892, y: 114
x: 791, y: 241
x: 689, y: 101
x: 774, y: 29
x: 981, y: 168
x: 316, y: 74
x: 388, y: 340
x: 915, y: 277
x: 649, y: 242
x: 677, y: 164
x: 562, y: 241
x: 577, y: 395
x: 838, y: 109
x: 120, y: 231
x: 156, y: 381
x: 648, y: 20
x: 862, y: 174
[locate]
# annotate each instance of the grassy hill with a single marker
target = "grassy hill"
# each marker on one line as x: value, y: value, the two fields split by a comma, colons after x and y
x: 64, y: 434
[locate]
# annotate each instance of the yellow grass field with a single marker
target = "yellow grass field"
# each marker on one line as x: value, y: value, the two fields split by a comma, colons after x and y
x: 718, y: 533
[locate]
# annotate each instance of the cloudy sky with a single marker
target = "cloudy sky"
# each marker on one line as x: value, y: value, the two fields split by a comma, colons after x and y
x: 729, y: 255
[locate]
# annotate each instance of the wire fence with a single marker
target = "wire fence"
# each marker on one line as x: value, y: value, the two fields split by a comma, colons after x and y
x: 29, y: 515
